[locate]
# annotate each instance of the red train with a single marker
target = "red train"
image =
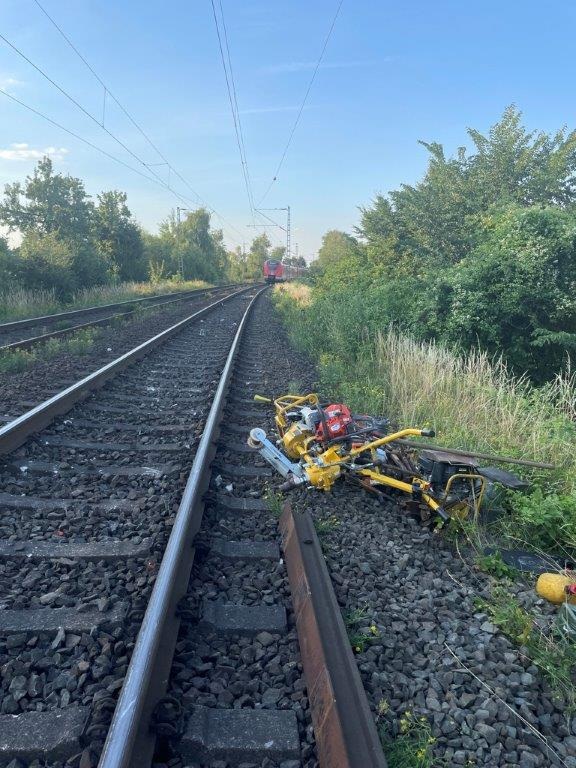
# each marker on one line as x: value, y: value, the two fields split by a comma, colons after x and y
x: 273, y: 271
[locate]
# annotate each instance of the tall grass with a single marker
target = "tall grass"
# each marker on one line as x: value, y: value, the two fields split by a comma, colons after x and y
x: 20, y: 303
x: 473, y: 402
x: 299, y: 293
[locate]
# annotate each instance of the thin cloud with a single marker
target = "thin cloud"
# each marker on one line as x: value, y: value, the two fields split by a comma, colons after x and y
x: 22, y: 151
x: 303, y: 66
x: 9, y: 83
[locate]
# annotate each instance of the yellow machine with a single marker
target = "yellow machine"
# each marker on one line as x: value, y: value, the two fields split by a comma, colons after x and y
x: 320, y: 444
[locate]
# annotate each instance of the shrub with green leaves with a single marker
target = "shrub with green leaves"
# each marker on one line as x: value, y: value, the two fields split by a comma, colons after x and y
x: 545, y: 520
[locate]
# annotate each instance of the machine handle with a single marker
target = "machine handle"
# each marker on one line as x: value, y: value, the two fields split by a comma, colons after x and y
x: 441, y: 512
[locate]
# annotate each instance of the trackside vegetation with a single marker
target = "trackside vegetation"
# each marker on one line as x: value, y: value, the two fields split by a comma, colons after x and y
x: 453, y: 306
x: 22, y: 303
x: 66, y: 248
x: 18, y: 360
x: 481, y: 253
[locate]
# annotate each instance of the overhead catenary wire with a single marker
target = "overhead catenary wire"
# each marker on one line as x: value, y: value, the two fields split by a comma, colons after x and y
x: 119, y: 104
x: 237, y: 107
x: 107, y: 92
x: 90, y: 144
x: 85, y: 141
x: 71, y: 98
x: 231, y: 88
x: 303, y: 104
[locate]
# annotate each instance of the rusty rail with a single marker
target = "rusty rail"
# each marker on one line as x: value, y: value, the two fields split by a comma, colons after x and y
x: 346, y: 735
x: 477, y: 455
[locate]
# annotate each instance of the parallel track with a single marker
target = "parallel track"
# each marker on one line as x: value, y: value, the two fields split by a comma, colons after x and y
x: 11, y: 333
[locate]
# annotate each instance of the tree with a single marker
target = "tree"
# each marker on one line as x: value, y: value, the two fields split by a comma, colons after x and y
x: 278, y: 253
x: 53, y: 204
x: 517, y: 292
x: 8, y: 266
x: 119, y: 237
x: 259, y: 252
x: 434, y: 224
x: 517, y: 166
x: 237, y: 269
x: 192, y: 244
x: 45, y: 260
x: 336, y: 245
x: 157, y: 255
x: 480, y: 251
x: 54, y: 213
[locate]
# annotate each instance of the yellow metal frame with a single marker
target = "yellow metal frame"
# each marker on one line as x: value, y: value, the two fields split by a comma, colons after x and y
x: 472, y: 476
x: 323, y: 469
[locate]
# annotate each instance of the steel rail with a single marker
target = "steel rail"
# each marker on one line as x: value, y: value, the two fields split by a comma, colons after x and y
x: 129, y: 743
x: 478, y: 455
x: 51, y: 319
x: 344, y: 728
x: 15, y: 433
x: 33, y: 340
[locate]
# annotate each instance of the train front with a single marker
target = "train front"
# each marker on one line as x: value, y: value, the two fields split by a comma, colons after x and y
x: 273, y: 271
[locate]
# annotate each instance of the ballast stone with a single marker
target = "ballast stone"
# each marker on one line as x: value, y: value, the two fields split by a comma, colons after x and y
x: 242, y: 504
x: 54, y: 734
x: 238, y: 735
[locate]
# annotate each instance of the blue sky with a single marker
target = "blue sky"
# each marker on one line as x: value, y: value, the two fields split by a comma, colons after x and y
x: 393, y: 73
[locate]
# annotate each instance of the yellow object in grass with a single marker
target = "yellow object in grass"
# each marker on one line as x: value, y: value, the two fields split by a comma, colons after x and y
x: 552, y: 587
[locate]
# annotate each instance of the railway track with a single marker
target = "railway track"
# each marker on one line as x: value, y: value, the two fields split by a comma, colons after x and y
x: 50, y: 374
x: 24, y: 334
x: 99, y: 613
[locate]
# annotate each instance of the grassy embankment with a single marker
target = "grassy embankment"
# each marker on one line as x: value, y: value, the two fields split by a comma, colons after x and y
x: 473, y: 403
x: 19, y: 303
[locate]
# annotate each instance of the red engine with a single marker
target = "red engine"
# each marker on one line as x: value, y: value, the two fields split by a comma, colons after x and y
x: 337, y: 418
x: 273, y: 270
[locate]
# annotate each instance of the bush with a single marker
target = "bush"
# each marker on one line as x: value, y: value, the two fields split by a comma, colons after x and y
x: 546, y: 521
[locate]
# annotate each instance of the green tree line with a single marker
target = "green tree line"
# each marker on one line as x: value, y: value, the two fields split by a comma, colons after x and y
x: 70, y: 241
x: 481, y: 252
